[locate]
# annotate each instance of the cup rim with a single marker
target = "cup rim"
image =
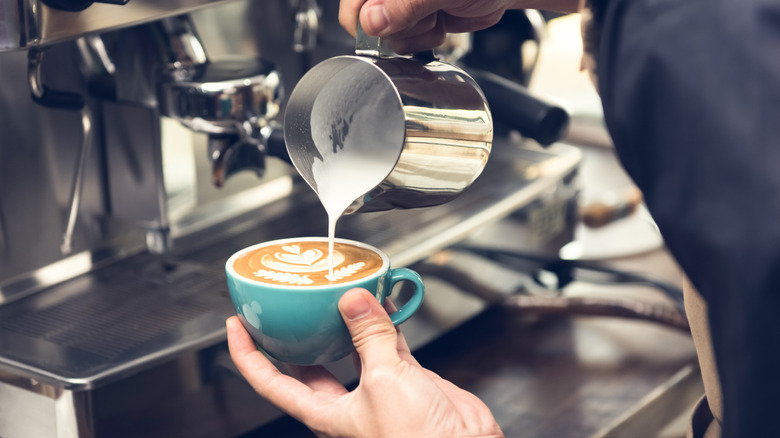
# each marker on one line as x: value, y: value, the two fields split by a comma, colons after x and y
x: 235, y: 275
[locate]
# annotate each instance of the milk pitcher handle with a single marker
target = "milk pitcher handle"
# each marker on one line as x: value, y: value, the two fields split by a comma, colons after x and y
x: 366, y: 45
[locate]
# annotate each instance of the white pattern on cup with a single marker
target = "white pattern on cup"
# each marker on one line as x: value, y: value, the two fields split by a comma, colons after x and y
x: 250, y: 314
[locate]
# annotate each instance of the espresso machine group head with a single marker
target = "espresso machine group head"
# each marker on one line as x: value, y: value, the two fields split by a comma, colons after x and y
x: 102, y: 87
x: 231, y: 100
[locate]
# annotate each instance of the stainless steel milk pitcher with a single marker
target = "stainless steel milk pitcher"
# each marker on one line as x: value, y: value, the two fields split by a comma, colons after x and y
x: 422, y: 125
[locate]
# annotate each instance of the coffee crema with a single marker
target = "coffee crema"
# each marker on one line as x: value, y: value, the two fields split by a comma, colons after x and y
x: 305, y: 263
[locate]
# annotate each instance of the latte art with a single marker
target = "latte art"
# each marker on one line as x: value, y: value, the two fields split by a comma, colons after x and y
x: 305, y: 263
x: 293, y: 259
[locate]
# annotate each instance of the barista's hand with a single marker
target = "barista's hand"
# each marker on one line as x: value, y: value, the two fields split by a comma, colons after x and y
x: 395, y: 396
x: 414, y: 25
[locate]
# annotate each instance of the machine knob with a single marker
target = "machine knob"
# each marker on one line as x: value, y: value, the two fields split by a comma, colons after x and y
x: 78, y: 5
x: 308, y: 23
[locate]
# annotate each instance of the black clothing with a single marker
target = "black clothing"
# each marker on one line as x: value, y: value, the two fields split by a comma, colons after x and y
x: 691, y: 95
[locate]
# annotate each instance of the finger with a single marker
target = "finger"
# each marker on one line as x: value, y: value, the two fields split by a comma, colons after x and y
x: 406, y: 44
x: 317, y: 378
x: 382, y: 17
x: 401, y: 346
x: 389, y: 306
x: 288, y: 394
x: 403, y: 350
x: 423, y: 26
x: 420, y: 43
x: 356, y: 363
x: 348, y: 14
x: 456, y: 24
x: 373, y: 334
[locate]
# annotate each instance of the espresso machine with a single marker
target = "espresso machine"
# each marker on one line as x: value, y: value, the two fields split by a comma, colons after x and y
x: 142, y: 144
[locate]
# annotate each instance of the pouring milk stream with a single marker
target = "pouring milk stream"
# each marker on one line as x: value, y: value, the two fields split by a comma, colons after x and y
x: 357, y: 153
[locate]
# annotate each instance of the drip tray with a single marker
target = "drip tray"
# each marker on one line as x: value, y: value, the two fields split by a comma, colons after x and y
x: 102, y: 321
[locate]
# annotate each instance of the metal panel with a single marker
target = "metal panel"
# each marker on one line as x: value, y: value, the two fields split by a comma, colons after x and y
x: 25, y: 413
x: 28, y: 23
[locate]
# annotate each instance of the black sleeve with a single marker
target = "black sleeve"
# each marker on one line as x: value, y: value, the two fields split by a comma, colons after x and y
x: 691, y: 95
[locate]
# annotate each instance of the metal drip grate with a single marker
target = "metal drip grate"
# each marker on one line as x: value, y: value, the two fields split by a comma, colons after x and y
x: 126, y: 309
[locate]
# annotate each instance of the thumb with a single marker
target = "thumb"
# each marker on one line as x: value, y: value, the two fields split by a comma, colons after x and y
x: 382, y: 18
x: 373, y: 334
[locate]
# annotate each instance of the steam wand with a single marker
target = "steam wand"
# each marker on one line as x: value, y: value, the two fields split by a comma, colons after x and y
x: 67, y: 101
x: 66, y: 246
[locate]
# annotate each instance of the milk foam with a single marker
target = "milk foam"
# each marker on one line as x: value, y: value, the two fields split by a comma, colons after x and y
x: 305, y: 263
x: 293, y: 259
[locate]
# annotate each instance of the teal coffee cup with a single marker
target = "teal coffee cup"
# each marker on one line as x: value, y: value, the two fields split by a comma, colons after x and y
x: 287, y: 298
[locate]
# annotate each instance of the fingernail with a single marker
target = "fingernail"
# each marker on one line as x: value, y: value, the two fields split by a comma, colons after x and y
x: 356, y: 306
x: 377, y: 19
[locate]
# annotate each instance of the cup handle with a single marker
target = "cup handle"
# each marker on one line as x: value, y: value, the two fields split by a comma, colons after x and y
x: 411, y: 306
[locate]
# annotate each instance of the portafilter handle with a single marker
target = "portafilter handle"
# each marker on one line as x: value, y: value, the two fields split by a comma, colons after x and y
x: 231, y: 153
